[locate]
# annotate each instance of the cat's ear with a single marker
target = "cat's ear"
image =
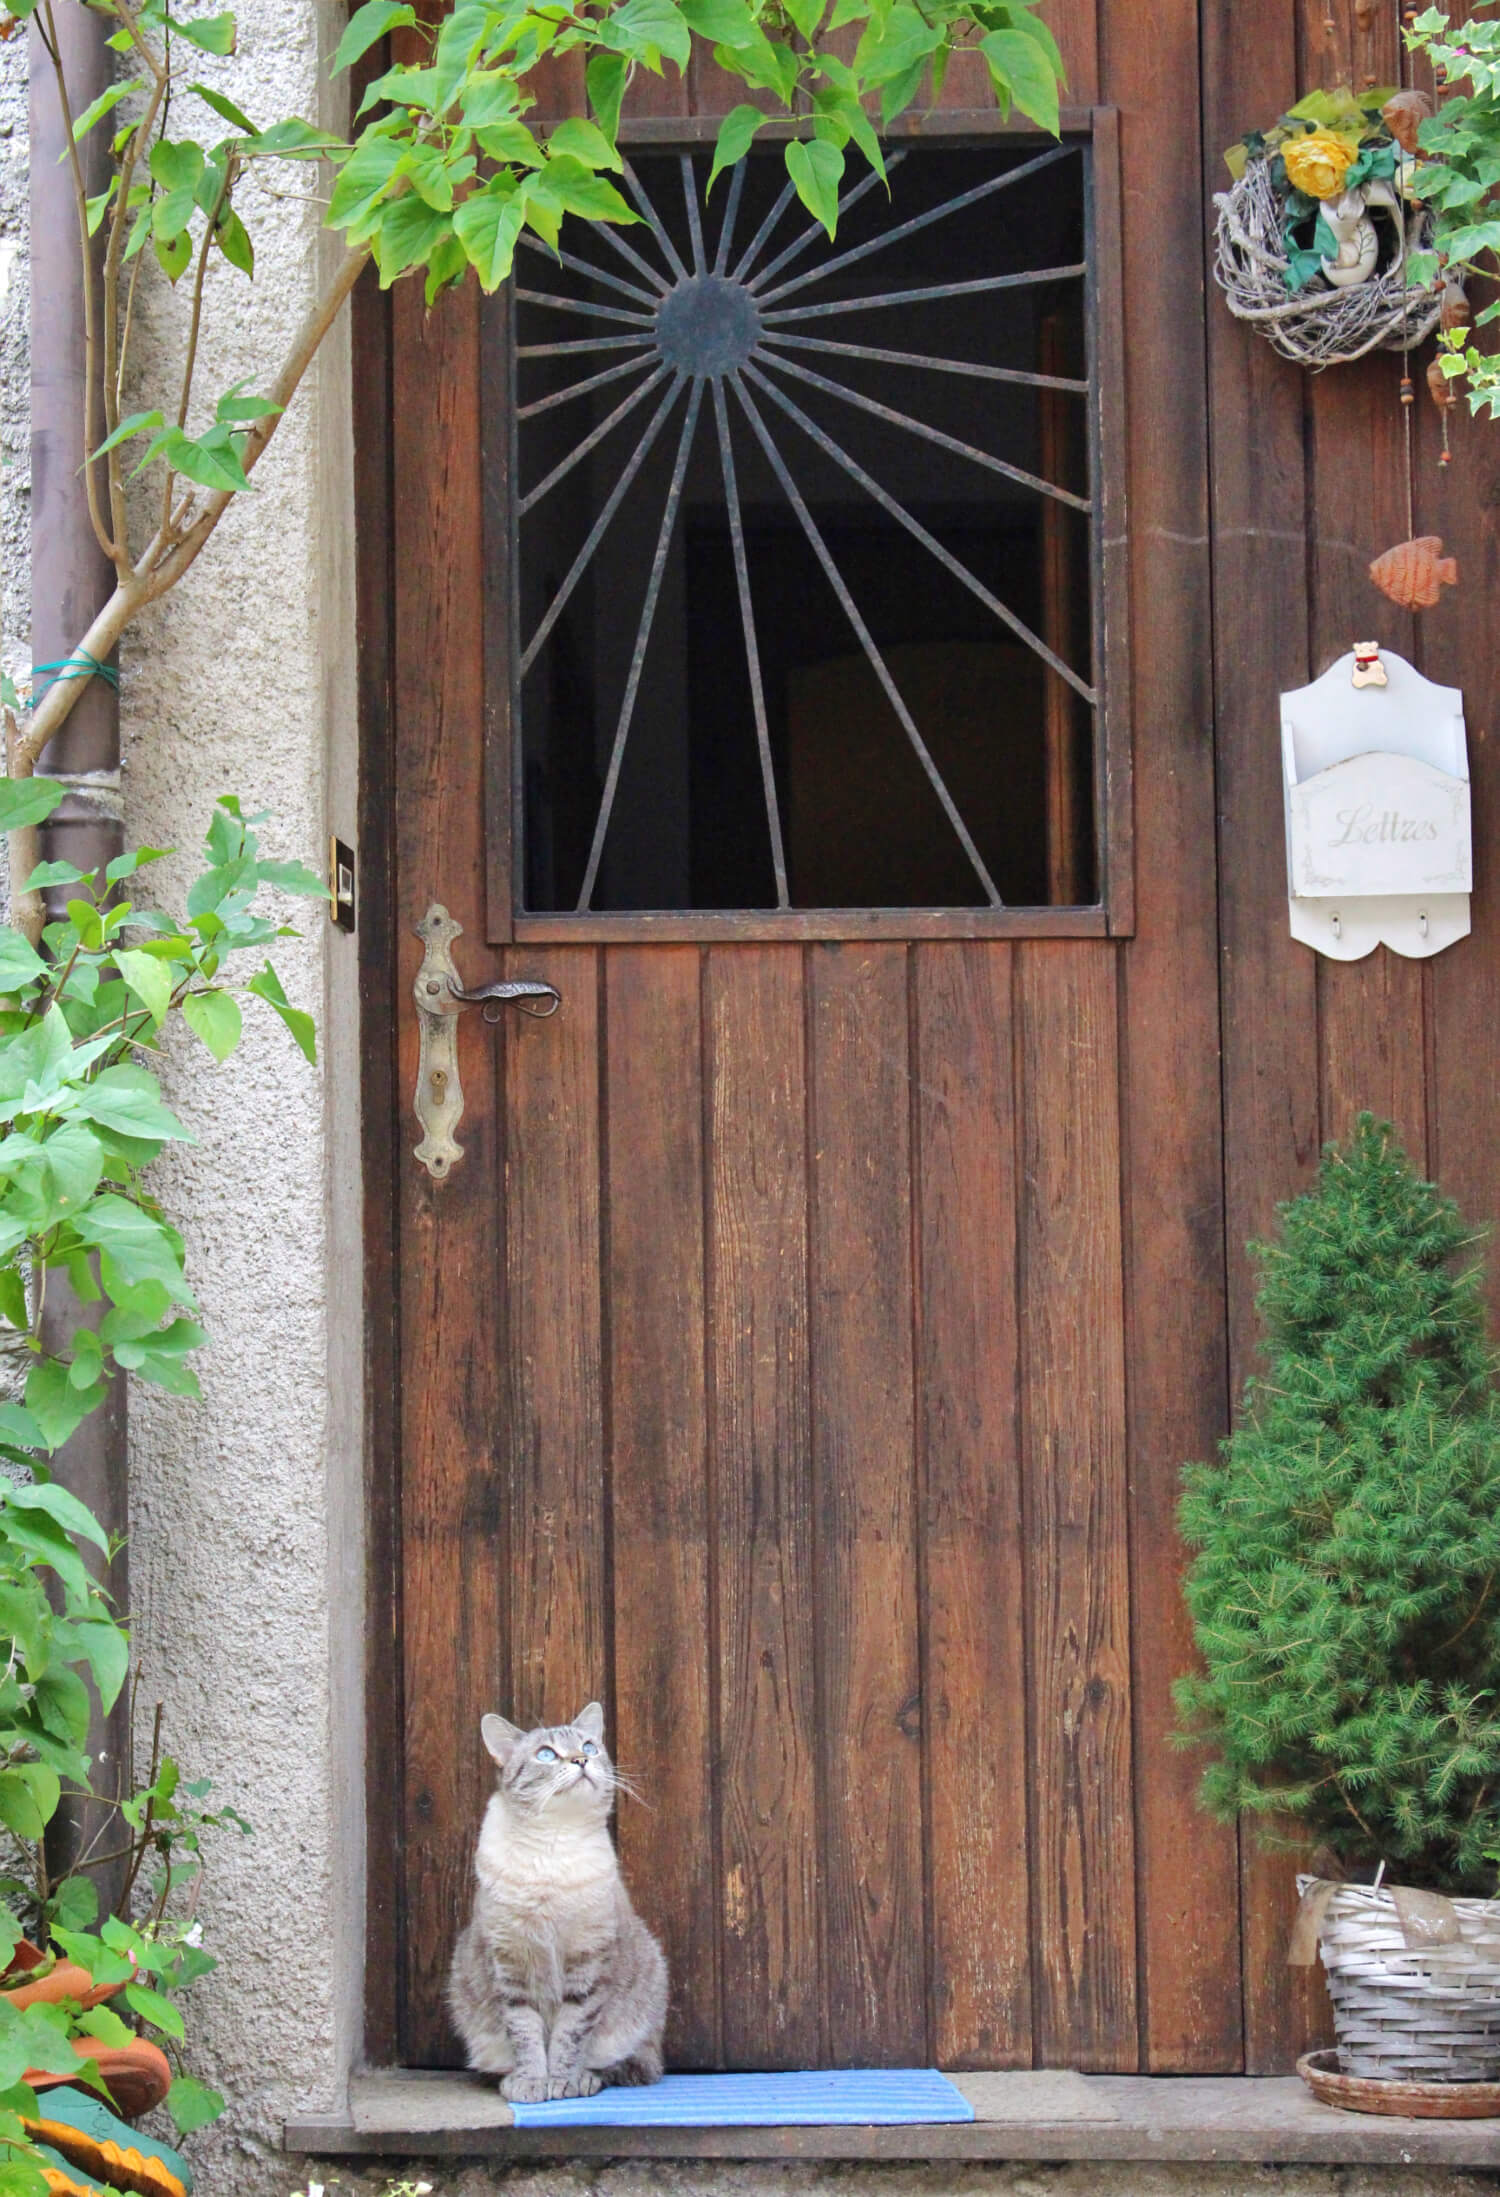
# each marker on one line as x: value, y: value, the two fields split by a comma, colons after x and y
x: 499, y: 1737
x: 590, y: 1721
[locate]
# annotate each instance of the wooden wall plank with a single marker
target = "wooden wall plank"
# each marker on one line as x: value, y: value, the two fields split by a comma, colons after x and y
x: 968, y: 1434
x: 1073, y: 1419
x: 1260, y: 516
x: 659, y: 1527
x: 772, y: 1915
x: 1370, y: 1011
x: 453, y: 1589
x: 862, y: 1440
x: 1188, y: 1904
x: 559, y: 1612
x: 1459, y: 644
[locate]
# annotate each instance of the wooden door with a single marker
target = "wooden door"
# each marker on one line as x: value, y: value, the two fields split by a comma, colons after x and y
x: 802, y: 1357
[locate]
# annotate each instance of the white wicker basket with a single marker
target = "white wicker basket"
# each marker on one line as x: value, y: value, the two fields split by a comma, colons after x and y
x: 1415, y: 1983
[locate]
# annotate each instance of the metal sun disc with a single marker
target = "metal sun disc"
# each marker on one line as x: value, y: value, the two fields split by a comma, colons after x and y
x: 708, y: 325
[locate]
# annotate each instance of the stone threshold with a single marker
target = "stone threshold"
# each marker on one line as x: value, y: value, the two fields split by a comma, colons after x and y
x: 1055, y: 2115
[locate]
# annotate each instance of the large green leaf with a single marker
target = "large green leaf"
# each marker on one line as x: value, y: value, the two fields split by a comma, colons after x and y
x: 214, y: 1017
x: 817, y: 168
x: 61, y: 1504
x: 55, y: 1404
x: 736, y: 132
x: 1019, y: 65
x: 192, y: 2104
x: 129, y: 1099
x: 210, y: 33
x: 29, y: 1794
x: 140, y: 1247
x: 267, y: 986
x: 20, y: 963
x: 366, y: 25
x: 27, y: 801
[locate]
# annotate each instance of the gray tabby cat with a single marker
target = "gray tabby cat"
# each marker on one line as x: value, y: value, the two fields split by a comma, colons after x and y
x: 557, y: 1985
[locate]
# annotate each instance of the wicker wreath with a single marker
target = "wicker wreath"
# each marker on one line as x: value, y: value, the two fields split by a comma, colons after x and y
x: 1320, y: 326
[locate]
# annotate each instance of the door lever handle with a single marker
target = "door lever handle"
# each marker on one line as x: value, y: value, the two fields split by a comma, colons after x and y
x: 441, y: 999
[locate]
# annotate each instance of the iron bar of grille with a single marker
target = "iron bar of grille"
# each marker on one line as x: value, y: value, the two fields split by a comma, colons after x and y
x: 642, y: 642
x: 583, y: 388
x: 587, y: 267
x: 930, y: 434
x: 915, y: 528
x: 695, y: 220
x: 869, y: 351
x: 610, y: 235
x: 918, y: 297
x: 584, y: 343
x: 653, y: 222
x: 908, y: 228
x: 747, y: 258
x: 866, y: 641
x: 752, y: 646
x: 582, y: 305
x: 814, y: 230
x: 731, y: 214
x: 576, y: 570
x: 591, y: 441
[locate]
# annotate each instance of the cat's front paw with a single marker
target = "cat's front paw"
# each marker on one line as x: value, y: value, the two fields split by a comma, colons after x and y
x: 583, y: 2085
x: 526, y: 2089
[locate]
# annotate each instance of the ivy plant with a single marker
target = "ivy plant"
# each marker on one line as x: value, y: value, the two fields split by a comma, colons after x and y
x: 82, y: 1118
x: 440, y: 173
x: 1460, y: 177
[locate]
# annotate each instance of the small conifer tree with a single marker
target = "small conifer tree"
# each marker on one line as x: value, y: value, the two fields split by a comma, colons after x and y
x: 1345, y: 1592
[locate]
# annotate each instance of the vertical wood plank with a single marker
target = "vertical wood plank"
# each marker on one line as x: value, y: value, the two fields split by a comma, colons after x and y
x: 662, y: 1734
x: 1268, y: 1000
x: 771, y: 1928
x: 866, y: 1608
x: 1370, y: 1011
x: 974, y: 1678
x: 1073, y: 1421
x: 382, y: 1159
x: 553, y: 1426
x: 1459, y: 645
x: 1187, y: 1865
x: 452, y: 1564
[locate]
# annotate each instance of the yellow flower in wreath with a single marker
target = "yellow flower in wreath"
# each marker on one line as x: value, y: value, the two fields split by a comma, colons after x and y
x: 1318, y: 162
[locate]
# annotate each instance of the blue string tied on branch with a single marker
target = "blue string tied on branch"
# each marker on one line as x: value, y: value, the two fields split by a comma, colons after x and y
x: 80, y: 665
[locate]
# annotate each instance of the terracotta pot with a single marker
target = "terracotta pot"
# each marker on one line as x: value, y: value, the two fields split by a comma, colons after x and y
x: 64, y: 1981
x: 138, y: 2074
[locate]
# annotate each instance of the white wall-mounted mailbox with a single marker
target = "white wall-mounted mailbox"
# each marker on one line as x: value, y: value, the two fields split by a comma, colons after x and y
x: 1377, y: 812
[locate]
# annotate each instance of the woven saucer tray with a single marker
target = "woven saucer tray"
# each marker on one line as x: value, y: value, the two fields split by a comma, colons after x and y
x: 1414, y: 1979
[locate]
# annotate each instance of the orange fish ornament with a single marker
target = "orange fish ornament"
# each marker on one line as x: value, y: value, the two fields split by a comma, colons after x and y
x: 1414, y: 574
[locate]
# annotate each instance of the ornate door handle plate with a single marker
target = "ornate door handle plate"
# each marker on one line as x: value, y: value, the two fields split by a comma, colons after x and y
x: 441, y: 999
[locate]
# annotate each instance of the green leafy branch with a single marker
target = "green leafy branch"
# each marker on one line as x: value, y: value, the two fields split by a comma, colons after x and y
x: 440, y: 174
x: 1460, y: 178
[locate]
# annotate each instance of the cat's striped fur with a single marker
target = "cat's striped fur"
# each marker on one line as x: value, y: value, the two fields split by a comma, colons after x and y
x: 557, y: 1986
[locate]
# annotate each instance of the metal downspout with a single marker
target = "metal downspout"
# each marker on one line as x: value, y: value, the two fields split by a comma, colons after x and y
x: 70, y: 580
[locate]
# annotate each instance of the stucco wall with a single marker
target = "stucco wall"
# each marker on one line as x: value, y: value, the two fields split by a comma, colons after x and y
x: 244, y: 1508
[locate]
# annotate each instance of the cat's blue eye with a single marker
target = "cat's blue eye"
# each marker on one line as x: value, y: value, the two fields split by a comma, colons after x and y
x: 546, y: 1754
x: 589, y: 1748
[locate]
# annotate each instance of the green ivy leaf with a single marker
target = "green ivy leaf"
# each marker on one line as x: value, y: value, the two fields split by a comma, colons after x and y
x: 487, y: 225
x: 224, y: 108
x: 817, y: 169
x: 584, y: 141
x: 736, y: 134
x: 267, y: 986
x: 215, y: 1019
x: 366, y: 25
x: 154, y: 2008
x: 1020, y: 68
x: 409, y: 230
x: 20, y: 963
x: 149, y: 979
x: 605, y: 79
x: 29, y: 1794
x: 210, y: 33
x: 55, y: 1404
x: 27, y: 801
x: 192, y: 2104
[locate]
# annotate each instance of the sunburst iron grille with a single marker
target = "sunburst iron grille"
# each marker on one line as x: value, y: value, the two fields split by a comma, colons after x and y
x: 705, y: 357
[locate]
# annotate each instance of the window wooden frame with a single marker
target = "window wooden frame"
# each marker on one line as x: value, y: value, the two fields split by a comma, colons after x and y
x: 1113, y: 914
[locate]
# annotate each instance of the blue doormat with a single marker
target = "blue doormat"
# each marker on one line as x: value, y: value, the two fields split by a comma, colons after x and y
x: 861, y: 2097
